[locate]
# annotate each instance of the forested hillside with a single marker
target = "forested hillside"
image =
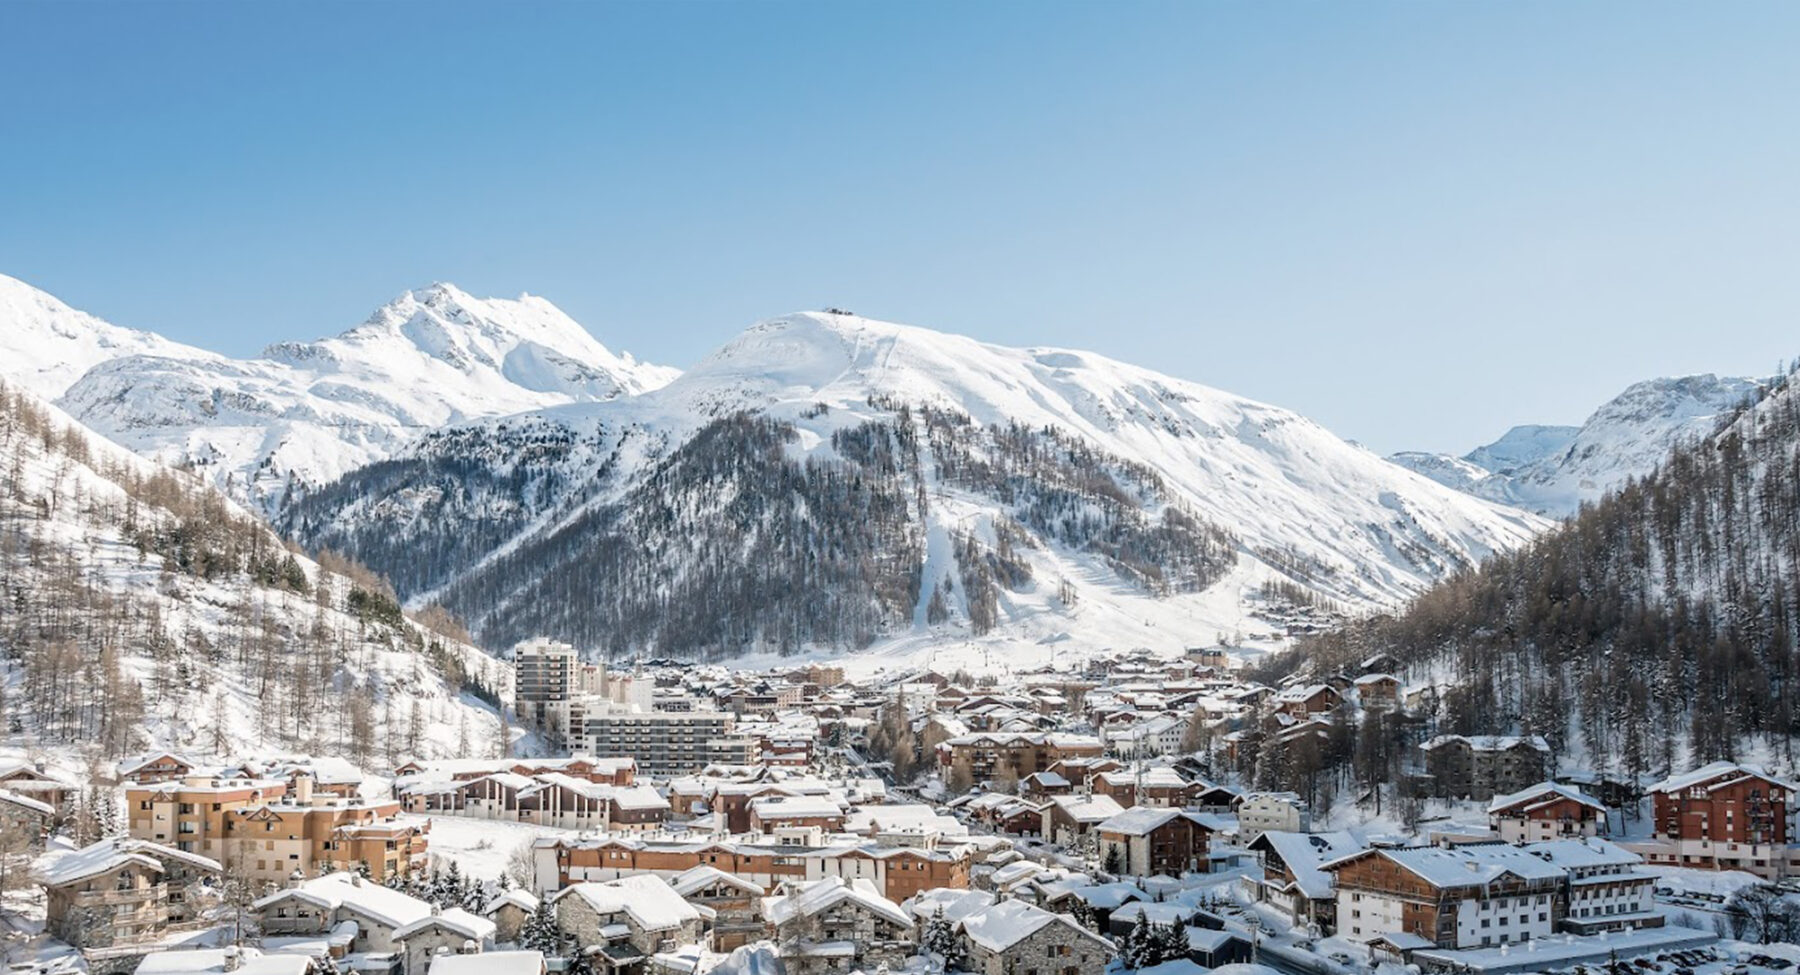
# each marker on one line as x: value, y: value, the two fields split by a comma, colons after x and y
x: 828, y: 482
x: 732, y: 542
x: 1657, y: 628
x: 144, y: 609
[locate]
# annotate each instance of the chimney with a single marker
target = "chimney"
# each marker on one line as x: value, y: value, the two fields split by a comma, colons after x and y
x: 303, y: 788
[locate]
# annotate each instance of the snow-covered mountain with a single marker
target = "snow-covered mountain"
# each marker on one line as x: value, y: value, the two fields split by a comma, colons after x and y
x: 145, y: 609
x: 304, y: 413
x: 1553, y: 470
x: 45, y: 345
x: 830, y: 481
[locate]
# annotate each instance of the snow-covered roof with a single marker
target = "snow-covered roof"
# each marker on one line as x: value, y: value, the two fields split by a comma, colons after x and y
x: 1088, y: 809
x: 1717, y: 770
x: 1463, y: 866
x: 821, y: 895
x: 638, y: 797
x: 473, y: 927
x: 696, y: 878
x: 1544, y: 792
x: 240, y: 961
x: 1140, y: 820
x: 1011, y: 921
x: 1585, y: 852
x: 649, y: 901
x: 956, y: 904
x: 128, y: 766
x: 518, y: 897
x: 110, y: 854
x: 799, y: 807
x: 347, y: 891
x: 1490, y: 743
x: 1304, y: 852
x: 26, y: 802
x: 1108, y: 896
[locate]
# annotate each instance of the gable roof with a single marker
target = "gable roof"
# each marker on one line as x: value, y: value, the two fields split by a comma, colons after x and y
x: 821, y: 895
x: 647, y: 900
x: 347, y: 891
x: 1543, y: 793
x: 1730, y: 771
x: 1471, y: 865
x: 1009, y: 922
x: 471, y: 926
x: 110, y: 854
x: 694, y: 878
x: 1303, y: 853
x: 1143, y: 820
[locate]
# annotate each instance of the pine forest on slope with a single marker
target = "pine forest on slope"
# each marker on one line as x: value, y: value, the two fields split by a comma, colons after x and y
x: 143, y: 609
x: 1656, y: 629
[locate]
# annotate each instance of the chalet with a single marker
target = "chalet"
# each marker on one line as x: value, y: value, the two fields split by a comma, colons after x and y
x: 1546, y: 811
x: 1378, y: 664
x: 987, y: 757
x: 1292, y: 879
x: 121, y: 892
x: 321, y: 906
x: 628, y: 919
x: 452, y: 931
x: 1378, y: 690
x: 733, y: 901
x: 896, y: 872
x: 26, y: 818
x: 154, y: 767
x: 30, y: 779
x: 770, y: 814
x: 509, y: 910
x: 1474, y: 896
x: 1145, y: 841
x: 838, y: 925
x: 1308, y: 699
x: 1039, y: 785
x: 1070, y: 818
x: 1159, y: 786
x: 1014, y: 937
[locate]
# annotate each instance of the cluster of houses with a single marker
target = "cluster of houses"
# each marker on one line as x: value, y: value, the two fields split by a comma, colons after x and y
x: 1055, y: 818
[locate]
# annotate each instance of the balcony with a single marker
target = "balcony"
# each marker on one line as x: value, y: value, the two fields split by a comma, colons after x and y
x: 134, y: 895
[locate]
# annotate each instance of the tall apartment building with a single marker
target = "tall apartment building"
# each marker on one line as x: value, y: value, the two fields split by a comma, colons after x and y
x: 546, y: 677
x: 1723, y: 816
x: 663, y: 743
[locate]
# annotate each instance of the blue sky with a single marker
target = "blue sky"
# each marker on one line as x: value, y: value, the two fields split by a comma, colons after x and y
x: 1418, y: 223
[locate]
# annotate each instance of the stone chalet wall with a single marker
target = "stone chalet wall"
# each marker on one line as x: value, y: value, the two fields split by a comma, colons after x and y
x: 1054, y: 949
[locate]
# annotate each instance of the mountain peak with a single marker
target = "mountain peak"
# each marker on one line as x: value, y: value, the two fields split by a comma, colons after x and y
x: 1553, y: 469
x: 48, y: 345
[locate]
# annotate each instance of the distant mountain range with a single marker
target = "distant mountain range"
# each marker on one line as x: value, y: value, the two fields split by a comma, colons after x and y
x: 827, y: 480
x: 1553, y: 470
x: 821, y: 482
x: 307, y: 412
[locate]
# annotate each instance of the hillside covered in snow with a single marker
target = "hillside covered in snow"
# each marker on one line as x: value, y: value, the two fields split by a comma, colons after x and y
x: 144, y: 609
x: 832, y: 482
x: 1654, y: 629
x: 1554, y: 470
x: 305, y: 412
